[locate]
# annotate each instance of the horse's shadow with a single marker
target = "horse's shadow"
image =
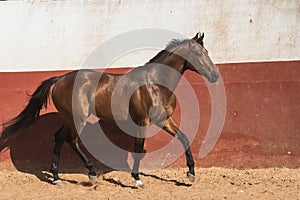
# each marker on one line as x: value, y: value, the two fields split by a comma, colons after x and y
x: 32, y: 149
x: 177, y: 183
x: 119, y: 183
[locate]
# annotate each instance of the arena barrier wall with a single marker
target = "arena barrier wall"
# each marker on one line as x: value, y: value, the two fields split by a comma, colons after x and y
x: 261, y: 126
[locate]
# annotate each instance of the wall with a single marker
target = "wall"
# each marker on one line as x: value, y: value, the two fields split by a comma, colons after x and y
x: 55, y: 35
x: 254, y: 43
x: 261, y: 126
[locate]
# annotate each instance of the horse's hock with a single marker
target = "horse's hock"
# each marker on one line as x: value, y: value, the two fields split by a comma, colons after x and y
x: 261, y: 126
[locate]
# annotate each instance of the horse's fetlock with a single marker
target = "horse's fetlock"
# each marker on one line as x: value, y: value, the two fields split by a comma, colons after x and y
x: 135, y: 176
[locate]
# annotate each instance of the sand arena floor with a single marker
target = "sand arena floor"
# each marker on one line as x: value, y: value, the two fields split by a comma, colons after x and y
x: 170, y: 183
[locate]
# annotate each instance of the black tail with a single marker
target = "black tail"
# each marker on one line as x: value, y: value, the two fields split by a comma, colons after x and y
x: 30, y: 114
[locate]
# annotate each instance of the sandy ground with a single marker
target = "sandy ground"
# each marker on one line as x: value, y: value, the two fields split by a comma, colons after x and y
x: 170, y: 183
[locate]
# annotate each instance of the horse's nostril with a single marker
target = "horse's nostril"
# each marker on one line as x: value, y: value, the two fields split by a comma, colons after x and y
x: 216, y: 76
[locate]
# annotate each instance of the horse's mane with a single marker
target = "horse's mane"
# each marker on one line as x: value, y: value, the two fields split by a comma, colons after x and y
x: 175, y: 43
x: 170, y: 46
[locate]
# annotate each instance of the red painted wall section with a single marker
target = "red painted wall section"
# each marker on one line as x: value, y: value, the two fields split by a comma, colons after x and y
x: 261, y: 127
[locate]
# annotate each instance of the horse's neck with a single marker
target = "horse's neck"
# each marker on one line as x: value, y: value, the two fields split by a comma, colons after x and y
x: 173, y: 59
x: 168, y: 71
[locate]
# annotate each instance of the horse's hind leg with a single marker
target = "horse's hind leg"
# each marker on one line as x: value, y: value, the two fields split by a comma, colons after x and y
x: 59, y: 139
x: 77, y: 121
x: 73, y: 142
x: 171, y: 127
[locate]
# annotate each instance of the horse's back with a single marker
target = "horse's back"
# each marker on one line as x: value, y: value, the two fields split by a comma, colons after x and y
x: 71, y: 86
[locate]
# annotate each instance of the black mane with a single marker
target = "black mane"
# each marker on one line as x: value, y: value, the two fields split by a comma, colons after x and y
x: 175, y: 43
x: 170, y: 46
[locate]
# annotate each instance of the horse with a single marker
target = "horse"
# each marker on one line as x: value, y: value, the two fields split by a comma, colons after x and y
x: 152, y: 101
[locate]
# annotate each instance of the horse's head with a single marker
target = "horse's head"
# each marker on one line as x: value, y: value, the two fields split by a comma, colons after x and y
x: 197, y: 59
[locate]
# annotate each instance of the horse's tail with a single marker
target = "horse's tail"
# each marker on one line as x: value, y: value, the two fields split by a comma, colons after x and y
x: 30, y: 114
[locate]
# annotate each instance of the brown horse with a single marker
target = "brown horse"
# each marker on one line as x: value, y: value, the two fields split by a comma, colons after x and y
x: 149, y: 99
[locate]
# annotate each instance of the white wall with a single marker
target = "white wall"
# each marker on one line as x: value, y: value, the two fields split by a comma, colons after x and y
x: 53, y: 35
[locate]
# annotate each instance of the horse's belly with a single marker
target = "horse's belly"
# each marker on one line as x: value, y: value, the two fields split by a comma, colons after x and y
x: 112, y: 111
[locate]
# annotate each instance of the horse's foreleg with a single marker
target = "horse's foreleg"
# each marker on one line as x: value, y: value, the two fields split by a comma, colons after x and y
x: 138, y: 155
x: 59, y: 139
x: 171, y: 127
x: 189, y: 157
x: 73, y: 142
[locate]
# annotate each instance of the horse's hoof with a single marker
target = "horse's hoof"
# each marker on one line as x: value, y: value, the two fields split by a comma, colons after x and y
x: 191, y: 177
x: 139, y: 184
x: 93, y: 178
x: 57, y: 182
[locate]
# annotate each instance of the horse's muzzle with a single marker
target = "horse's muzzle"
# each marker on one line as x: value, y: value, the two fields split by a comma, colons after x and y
x: 213, y: 77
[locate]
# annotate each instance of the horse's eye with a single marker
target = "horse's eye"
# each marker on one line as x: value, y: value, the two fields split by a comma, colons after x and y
x: 198, y: 53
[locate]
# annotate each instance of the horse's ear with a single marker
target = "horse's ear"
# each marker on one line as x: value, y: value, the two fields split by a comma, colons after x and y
x: 200, y: 39
x: 202, y: 36
x: 196, y: 36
